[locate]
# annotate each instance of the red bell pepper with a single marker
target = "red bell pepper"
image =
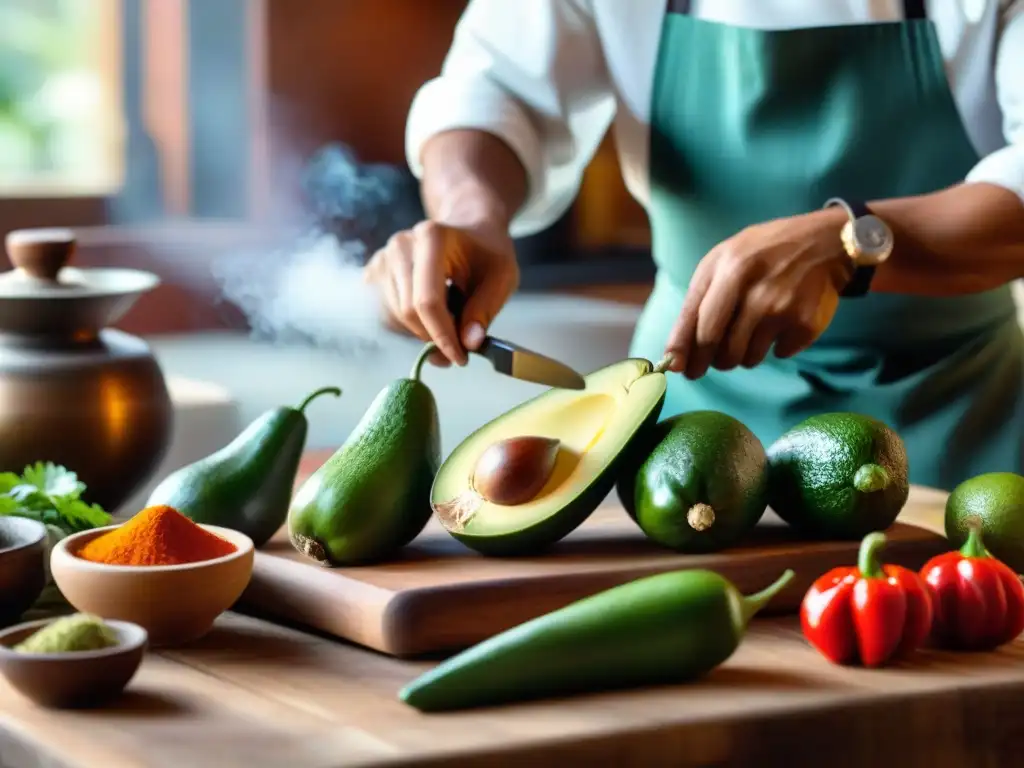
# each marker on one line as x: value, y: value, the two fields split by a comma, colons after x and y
x: 978, y: 600
x: 868, y: 614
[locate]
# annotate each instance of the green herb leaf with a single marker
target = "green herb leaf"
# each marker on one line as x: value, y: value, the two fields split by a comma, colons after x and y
x: 51, y: 495
x: 79, y: 515
x: 53, y: 480
x: 30, y: 497
x: 8, y: 481
x: 9, y: 506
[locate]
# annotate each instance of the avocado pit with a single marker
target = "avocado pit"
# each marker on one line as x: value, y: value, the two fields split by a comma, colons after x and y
x: 514, y: 471
x: 508, y: 473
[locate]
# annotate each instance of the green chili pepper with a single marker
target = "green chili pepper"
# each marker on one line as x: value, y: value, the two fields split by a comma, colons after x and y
x: 668, y: 628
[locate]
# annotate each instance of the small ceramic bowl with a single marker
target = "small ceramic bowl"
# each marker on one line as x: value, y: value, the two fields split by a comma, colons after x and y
x: 173, y: 603
x: 22, y: 565
x: 81, y: 679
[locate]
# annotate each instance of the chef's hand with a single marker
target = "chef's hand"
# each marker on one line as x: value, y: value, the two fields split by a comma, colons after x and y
x: 773, y: 283
x: 410, y: 273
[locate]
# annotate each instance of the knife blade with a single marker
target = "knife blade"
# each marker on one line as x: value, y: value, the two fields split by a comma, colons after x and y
x: 515, y: 361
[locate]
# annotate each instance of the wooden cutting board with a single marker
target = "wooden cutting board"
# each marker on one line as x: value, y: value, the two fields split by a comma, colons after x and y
x: 440, y: 596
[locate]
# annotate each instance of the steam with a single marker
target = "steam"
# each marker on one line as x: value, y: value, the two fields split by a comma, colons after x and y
x: 312, y: 291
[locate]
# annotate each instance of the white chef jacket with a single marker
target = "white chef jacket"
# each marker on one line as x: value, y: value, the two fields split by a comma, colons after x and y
x: 549, y: 76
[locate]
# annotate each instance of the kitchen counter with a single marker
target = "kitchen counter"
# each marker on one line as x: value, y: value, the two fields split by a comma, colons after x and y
x: 252, y: 694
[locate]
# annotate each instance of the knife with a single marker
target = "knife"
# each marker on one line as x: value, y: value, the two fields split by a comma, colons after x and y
x: 513, y: 360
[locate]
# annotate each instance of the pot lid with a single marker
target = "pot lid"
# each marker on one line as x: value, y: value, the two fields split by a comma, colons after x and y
x: 41, y: 294
x: 40, y: 258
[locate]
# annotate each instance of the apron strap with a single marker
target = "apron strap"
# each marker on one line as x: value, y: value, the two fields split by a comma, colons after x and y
x: 912, y: 9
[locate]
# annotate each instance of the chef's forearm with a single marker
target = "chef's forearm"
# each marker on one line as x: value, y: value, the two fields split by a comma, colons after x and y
x: 964, y: 239
x: 471, y: 178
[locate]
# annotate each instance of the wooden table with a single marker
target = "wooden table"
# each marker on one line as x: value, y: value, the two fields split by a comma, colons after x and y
x: 252, y: 694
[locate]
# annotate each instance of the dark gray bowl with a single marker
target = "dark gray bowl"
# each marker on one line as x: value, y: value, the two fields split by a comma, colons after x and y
x: 22, y: 565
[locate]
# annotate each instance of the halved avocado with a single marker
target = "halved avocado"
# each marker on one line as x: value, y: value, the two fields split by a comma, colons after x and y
x: 596, y: 428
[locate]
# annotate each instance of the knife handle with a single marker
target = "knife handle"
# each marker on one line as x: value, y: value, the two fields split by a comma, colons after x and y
x: 456, y: 304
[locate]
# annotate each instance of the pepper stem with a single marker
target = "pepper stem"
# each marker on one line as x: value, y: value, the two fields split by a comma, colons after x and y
x: 868, y: 562
x: 662, y: 365
x: 871, y: 478
x: 974, y: 547
x: 751, y: 604
x: 314, y: 395
x: 421, y: 358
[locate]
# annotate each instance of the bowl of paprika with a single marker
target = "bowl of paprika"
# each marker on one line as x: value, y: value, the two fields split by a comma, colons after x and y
x: 160, y: 570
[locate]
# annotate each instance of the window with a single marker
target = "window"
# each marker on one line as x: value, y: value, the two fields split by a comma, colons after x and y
x: 138, y: 111
x: 59, y: 98
x: 123, y: 111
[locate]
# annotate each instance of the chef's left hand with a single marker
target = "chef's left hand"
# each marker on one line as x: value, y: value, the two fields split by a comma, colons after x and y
x: 773, y: 283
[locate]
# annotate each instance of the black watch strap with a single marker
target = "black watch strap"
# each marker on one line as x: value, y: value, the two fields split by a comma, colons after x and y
x: 860, y: 284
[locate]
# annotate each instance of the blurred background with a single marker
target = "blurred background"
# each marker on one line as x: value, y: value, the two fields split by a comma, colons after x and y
x: 250, y: 152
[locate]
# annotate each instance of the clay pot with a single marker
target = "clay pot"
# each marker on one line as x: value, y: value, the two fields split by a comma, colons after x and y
x: 72, y: 390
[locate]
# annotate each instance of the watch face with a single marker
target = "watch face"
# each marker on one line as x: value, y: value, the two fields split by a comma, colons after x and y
x: 873, y: 239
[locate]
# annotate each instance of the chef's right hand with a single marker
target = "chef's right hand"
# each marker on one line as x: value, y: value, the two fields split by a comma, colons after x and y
x: 410, y: 275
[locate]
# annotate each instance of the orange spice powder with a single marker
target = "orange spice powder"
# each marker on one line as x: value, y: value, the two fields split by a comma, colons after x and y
x: 157, y: 535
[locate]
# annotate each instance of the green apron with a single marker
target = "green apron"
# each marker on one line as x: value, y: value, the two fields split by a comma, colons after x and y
x: 749, y: 125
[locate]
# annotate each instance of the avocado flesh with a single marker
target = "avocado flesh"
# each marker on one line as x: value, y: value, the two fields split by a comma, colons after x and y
x: 596, y: 427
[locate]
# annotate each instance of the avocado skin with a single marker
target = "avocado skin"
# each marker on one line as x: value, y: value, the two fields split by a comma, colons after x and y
x: 372, y: 497
x: 811, y: 469
x: 560, y: 524
x: 245, y: 486
x: 704, y: 457
x: 668, y: 628
x: 629, y: 470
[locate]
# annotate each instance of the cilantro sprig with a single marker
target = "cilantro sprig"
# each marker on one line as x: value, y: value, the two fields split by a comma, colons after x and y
x: 52, y: 495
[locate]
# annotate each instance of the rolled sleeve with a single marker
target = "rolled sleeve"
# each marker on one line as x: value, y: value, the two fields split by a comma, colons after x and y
x: 1005, y: 166
x: 533, y: 75
x: 453, y: 103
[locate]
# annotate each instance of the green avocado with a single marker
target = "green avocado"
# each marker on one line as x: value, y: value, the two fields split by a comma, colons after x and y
x: 838, y: 475
x: 703, y: 486
x: 595, y: 427
x: 996, y: 501
x: 246, y: 485
x: 670, y: 628
x: 372, y: 497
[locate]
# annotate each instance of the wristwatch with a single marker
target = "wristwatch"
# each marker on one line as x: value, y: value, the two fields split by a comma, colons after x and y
x: 867, y: 240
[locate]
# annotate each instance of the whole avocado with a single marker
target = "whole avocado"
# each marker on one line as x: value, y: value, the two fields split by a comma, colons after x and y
x: 838, y: 475
x: 246, y: 485
x: 703, y: 485
x: 996, y: 501
x: 372, y: 497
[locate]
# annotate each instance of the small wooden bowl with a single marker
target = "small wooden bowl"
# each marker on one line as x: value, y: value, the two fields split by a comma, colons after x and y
x: 175, y: 604
x: 22, y: 565
x: 81, y: 679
